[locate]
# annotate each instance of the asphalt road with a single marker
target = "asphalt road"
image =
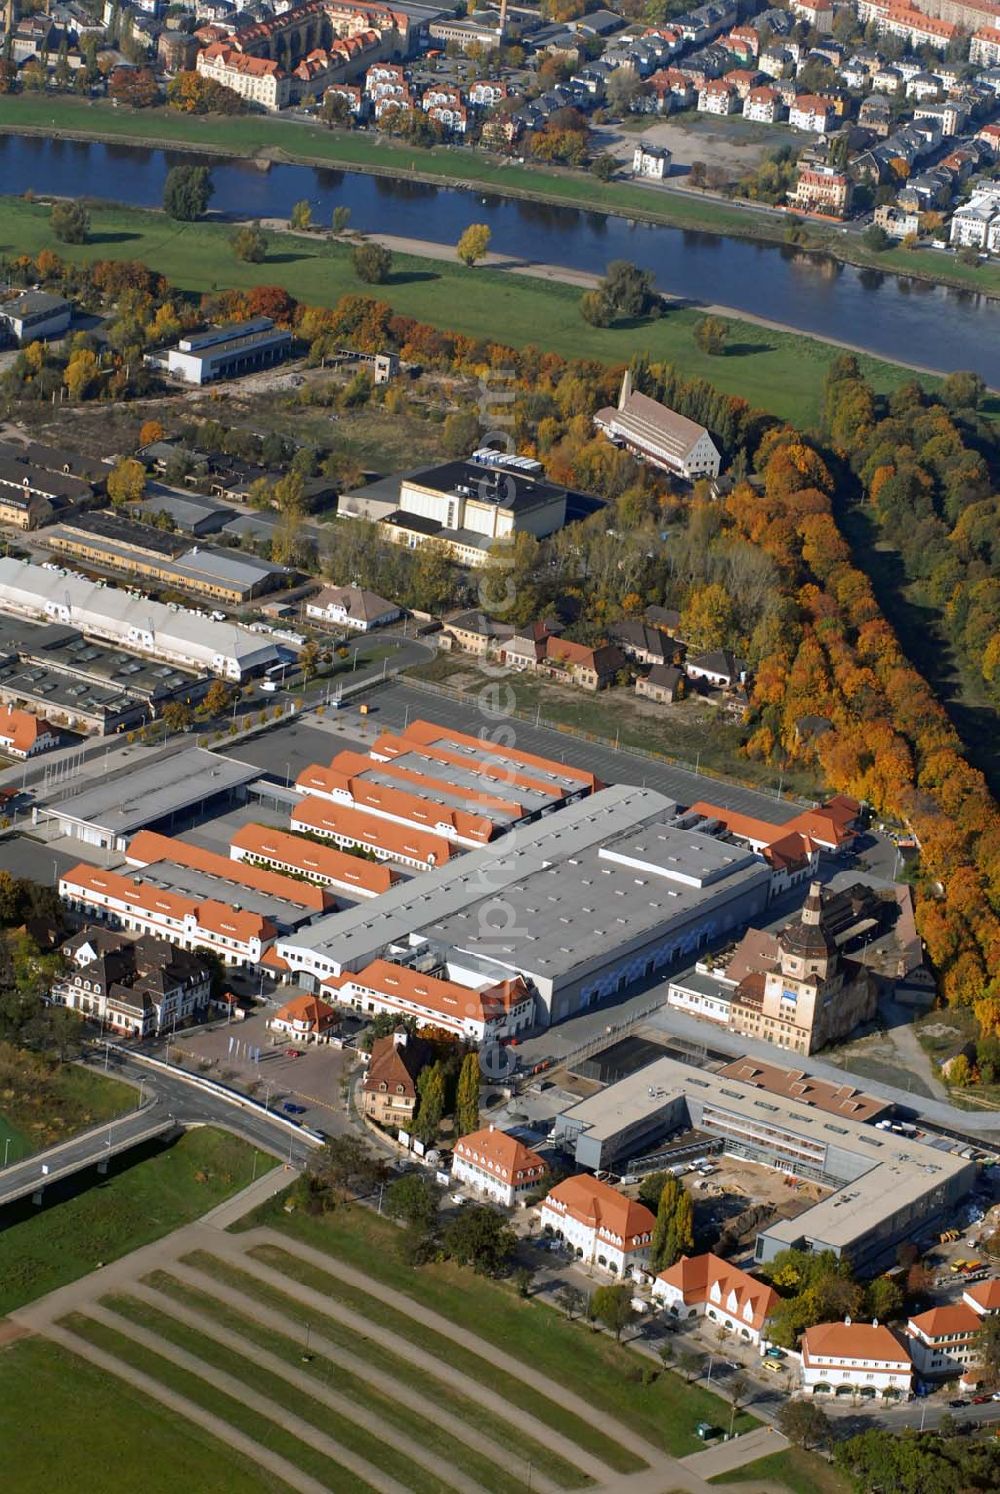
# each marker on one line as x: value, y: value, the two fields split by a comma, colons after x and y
x: 82, y: 1151
x: 396, y: 704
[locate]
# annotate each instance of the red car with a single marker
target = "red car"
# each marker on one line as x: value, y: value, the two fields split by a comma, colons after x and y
x: 293, y: 1052
x: 981, y: 1400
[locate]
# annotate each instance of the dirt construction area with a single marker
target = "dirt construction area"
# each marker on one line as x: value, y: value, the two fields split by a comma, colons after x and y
x: 733, y: 145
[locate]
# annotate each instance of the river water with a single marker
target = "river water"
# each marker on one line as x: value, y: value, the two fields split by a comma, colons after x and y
x: 887, y: 314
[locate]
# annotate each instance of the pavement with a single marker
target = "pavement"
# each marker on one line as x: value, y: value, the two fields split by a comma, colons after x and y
x: 398, y: 703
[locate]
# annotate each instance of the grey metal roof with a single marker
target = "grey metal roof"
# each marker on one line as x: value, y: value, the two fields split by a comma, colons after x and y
x: 143, y: 795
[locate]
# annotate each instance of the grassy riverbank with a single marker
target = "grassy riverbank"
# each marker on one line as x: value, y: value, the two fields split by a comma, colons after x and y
x: 288, y: 140
x: 778, y: 371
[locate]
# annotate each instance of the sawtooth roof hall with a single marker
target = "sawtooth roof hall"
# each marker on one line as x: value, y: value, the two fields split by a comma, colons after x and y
x: 582, y: 903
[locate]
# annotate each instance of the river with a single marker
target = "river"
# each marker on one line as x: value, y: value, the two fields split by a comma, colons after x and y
x: 889, y: 315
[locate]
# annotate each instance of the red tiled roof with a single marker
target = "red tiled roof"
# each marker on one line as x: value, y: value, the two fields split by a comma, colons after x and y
x: 872, y: 1341
x: 695, y: 1277
x: 499, y: 1154
x: 602, y: 1208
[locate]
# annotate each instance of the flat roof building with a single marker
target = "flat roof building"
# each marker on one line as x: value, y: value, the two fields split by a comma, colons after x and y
x: 593, y: 898
x: 165, y: 558
x: 155, y: 795
x: 133, y: 621
x: 886, y: 1188
x: 227, y: 352
x: 34, y: 315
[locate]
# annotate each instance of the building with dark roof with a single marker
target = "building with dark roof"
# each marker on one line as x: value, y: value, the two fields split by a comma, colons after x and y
x: 135, y: 986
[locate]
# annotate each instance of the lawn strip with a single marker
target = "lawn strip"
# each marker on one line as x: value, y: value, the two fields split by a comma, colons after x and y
x: 608, y: 1376
x: 201, y: 1391
x: 479, y: 1416
x: 76, y: 1421
x: 356, y: 1439
x: 336, y: 1377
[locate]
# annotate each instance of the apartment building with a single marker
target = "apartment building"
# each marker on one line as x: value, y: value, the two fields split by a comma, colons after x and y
x: 943, y: 1342
x: 498, y: 1167
x: 707, y: 1286
x: 479, y: 1013
x: 260, y: 845
x: 984, y: 48
x: 601, y: 1226
x: 238, y: 937
x: 855, y: 1359
x: 138, y: 987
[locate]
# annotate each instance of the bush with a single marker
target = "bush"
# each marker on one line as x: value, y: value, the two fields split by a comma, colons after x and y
x: 372, y: 263
x: 70, y: 222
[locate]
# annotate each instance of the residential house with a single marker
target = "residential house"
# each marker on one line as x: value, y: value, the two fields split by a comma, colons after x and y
x: 743, y: 79
x: 923, y: 86
x: 875, y: 114
x: 943, y: 1341
x: 763, y: 105
x: 305, y: 1020
x: 669, y: 88
x: 888, y: 79
x: 600, y: 1225
x: 645, y: 644
x: 707, y: 1286
x: 651, y: 161
x: 138, y: 987
x: 743, y: 42
x: 718, y: 97
x: 353, y: 95
x: 664, y: 683
x: 718, y: 667
x: 352, y: 607
x: 497, y: 1166
x: 23, y: 735
x: 855, y: 1359
x: 475, y: 633
x: 896, y: 222
x: 389, y: 1088
x: 779, y: 61
x: 812, y: 112
x: 821, y: 189
x: 592, y: 668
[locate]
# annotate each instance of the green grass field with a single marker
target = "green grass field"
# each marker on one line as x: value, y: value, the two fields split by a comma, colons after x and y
x: 778, y: 371
x: 111, y: 1438
x: 41, y: 1249
x: 43, y: 1103
x: 605, y: 1374
x: 799, y: 1472
x: 470, y: 1409
x: 384, y: 1366
x: 288, y: 140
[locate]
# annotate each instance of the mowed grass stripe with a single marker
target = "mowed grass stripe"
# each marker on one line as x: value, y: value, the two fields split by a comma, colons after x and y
x: 202, y: 1393
x: 280, y: 1392
x: 395, y: 1413
x: 477, y: 1415
x: 476, y: 1366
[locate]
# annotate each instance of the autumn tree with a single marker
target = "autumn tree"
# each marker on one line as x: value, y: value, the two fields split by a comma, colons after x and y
x: 249, y: 243
x: 126, y: 482
x: 709, y: 617
x: 70, y: 222
x: 149, y: 432
x: 467, y: 1096
x: 187, y: 192
x: 301, y: 217
x: 474, y: 243
x: 372, y: 262
x: 81, y: 373
x: 710, y: 334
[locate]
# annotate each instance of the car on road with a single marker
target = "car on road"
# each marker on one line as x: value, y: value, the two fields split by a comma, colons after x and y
x: 981, y: 1400
x: 774, y: 1353
x: 957, y: 1404
x: 293, y: 1109
x: 293, y: 1052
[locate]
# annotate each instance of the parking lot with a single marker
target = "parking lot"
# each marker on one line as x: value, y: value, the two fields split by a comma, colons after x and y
x: 312, y: 1081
